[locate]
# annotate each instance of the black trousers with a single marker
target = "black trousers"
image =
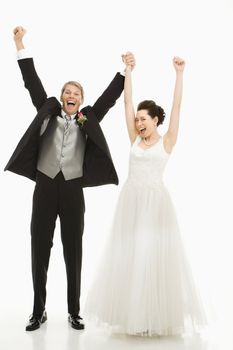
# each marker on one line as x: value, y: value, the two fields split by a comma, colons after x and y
x: 52, y: 198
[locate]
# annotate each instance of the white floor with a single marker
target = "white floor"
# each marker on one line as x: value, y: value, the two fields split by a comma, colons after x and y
x: 58, y: 335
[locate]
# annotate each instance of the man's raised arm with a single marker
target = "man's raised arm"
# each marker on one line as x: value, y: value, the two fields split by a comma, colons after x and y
x: 31, y: 80
x: 113, y: 91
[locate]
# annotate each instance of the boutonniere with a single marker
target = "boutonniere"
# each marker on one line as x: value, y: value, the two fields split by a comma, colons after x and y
x: 81, y: 119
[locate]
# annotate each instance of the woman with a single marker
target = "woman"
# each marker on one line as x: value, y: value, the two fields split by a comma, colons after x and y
x: 144, y: 285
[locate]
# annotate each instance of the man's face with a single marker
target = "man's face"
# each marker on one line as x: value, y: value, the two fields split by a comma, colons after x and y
x: 71, y: 99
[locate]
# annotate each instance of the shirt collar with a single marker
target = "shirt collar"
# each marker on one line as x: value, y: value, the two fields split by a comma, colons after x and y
x: 63, y: 114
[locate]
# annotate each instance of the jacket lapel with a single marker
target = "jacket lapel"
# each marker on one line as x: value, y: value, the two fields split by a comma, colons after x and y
x: 92, y: 128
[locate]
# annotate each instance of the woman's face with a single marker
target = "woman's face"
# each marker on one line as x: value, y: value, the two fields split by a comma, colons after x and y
x: 145, y: 125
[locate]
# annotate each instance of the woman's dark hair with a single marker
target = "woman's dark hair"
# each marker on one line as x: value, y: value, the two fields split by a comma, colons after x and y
x: 153, y: 110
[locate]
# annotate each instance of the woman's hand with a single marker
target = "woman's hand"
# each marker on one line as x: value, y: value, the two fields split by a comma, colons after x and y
x: 129, y: 60
x: 178, y: 64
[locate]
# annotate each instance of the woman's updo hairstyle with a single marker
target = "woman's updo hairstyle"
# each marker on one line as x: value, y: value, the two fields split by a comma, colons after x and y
x: 153, y: 110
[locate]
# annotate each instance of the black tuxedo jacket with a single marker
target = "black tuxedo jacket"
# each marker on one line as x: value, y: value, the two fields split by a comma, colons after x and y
x: 98, y: 168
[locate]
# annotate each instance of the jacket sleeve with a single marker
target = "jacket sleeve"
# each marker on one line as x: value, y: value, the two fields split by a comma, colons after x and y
x: 109, y: 96
x: 32, y: 82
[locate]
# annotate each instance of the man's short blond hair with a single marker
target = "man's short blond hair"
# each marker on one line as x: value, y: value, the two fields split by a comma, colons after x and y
x: 75, y: 83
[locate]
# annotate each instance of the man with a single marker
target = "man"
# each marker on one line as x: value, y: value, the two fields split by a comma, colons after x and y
x: 63, y: 150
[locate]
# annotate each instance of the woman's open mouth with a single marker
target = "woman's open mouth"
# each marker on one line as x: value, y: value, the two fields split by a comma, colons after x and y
x: 142, y: 131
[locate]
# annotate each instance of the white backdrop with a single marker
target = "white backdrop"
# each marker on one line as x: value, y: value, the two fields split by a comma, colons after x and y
x: 84, y: 40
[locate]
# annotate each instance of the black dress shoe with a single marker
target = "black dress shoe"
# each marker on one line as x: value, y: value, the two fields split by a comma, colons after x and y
x: 76, y: 322
x: 36, y: 321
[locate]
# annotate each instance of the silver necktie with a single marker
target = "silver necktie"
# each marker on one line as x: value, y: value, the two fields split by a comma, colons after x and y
x: 67, y: 124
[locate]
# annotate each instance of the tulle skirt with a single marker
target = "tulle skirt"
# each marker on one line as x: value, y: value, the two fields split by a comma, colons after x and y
x: 144, y: 285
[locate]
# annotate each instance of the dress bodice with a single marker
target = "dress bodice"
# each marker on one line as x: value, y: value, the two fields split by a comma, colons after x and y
x: 146, y: 166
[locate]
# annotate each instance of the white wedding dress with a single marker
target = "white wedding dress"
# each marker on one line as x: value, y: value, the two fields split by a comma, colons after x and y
x: 144, y: 285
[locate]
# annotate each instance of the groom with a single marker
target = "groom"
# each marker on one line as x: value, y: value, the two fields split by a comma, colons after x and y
x: 63, y: 150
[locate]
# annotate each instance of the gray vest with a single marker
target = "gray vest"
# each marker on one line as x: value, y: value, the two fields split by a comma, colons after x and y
x: 62, y: 149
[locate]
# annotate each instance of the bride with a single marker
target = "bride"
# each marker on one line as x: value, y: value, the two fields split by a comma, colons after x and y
x: 144, y: 285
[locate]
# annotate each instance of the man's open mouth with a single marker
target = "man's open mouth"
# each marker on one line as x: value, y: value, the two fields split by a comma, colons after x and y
x: 70, y: 103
